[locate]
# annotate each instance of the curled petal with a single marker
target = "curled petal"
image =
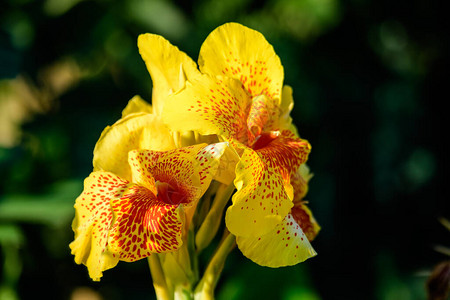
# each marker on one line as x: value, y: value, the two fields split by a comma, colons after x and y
x: 286, y: 106
x: 303, y: 216
x: 186, y: 172
x: 136, y: 105
x: 261, y: 201
x: 285, y: 245
x: 263, y: 115
x: 242, y: 53
x: 264, y: 193
x: 284, y: 151
x: 211, y: 105
x: 168, y: 67
x: 300, y: 181
x: 135, y: 131
x: 93, y: 217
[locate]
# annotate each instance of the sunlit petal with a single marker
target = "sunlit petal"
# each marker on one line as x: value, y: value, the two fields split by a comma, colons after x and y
x: 136, y: 105
x: 187, y: 172
x: 93, y: 217
x: 144, y: 224
x: 135, y: 131
x: 242, y: 53
x: 168, y: 67
x: 210, y: 105
x: 264, y: 194
x: 285, y: 245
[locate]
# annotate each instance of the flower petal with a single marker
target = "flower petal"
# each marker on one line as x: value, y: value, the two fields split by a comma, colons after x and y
x: 211, y: 105
x: 305, y: 219
x: 135, y: 131
x: 168, y: 67
x: 143, y: 225
x: 93, y: 217
x: 286, y: 106
x: 260, y: 202
x: 263, y: 115
x: 285, y: 245
x: 136, y: 105
x: 264, y: 193
x: 188, y: 171
x: 242, y: 53
x: 286, y: 151
x: 300, y: 181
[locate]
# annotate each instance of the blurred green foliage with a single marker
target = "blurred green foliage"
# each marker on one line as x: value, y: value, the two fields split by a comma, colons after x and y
x: 368, y: 79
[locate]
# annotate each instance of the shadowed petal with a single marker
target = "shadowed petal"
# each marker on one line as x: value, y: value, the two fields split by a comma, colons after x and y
x: 263, y: 116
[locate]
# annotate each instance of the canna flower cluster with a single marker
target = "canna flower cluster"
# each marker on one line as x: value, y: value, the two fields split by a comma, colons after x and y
x: 223, y: 129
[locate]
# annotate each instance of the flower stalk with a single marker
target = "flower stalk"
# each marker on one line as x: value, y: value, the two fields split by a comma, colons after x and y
x: 159, y: 282
x: 210, y: 225
x: 206, y: 286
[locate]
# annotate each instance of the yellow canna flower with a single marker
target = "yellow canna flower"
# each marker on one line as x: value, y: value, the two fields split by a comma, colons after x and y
x: 238, y: 95
x: 129, y: 219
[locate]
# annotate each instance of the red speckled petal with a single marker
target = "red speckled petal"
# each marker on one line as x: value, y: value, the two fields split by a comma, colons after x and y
x: 93, y: 217
x: 303, y: 216
x: 242, y: 53
x: 263, y: 115
x: 210, y: 106
x: 287, y: 151
x: 143, y: 225
x: 285, y: 245
x: 264, y: 194
x: 187, y: 172
x: 299, y: 182
x: 189, y: 168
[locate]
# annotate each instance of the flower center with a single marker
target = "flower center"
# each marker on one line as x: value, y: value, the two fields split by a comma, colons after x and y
x: 264, y: 139
x: 168, y: 194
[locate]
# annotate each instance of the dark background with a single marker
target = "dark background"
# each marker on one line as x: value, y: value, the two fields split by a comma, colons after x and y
x: 370, y: 82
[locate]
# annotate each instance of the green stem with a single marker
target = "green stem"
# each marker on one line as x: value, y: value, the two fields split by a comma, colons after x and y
x: 210, y: 225
x: 159, y: 282
x: 205, y: 288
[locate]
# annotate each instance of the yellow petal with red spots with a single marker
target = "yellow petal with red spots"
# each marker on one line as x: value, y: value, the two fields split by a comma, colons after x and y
x: 300, y: 181
x: 263, y: 115
x: 285, y: 245
x: 93, y: 217
x: 144, y: 224
x: 264, y: 193
x: 283, y: 149
x: 179, y: 176
x: 305, y: 219
x: 136, y: 105
x: 135, y: 131
x: 242, y: 53
x: 168, y: 67
x: 210, y: 105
